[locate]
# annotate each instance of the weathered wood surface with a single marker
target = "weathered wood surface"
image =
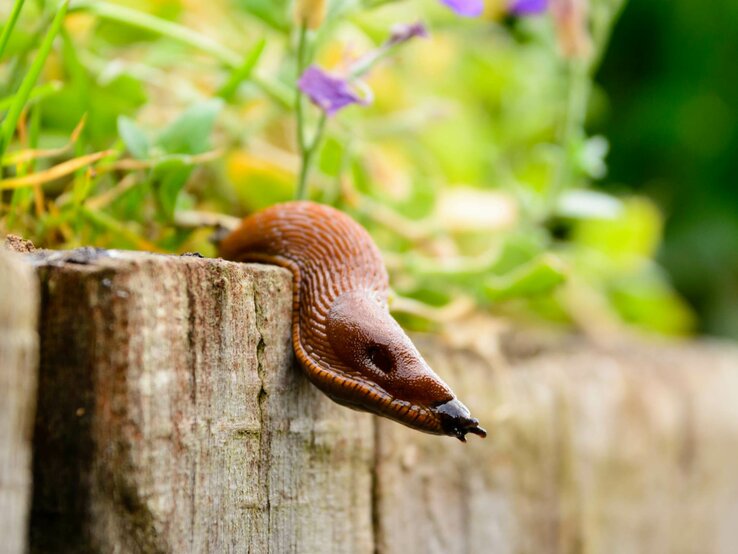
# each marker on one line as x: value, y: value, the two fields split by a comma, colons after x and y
x: 171, y: 420
x: 18, y: 366
x: 625, y: 449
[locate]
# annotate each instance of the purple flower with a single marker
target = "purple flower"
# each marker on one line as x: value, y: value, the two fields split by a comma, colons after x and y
x: 328, y: 92
x: 403, y: 32
x: 467, y: 8
x: 528, y: 7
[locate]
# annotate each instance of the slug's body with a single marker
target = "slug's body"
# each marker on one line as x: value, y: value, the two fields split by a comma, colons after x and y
x: 344, y: 337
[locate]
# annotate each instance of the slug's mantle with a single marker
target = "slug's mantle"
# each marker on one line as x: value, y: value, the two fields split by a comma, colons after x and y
x: 344, y: 337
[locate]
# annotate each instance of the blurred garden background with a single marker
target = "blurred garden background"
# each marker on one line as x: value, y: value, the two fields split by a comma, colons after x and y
x: 565, y: 164
x: 671, y: 82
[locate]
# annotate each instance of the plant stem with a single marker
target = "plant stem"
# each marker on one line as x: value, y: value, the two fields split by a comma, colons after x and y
x: 572, y: 128
x: 109, y: 223
x: 8, y: 28
x: 301, y: 47
x: 307, y: 158
x: 580, y: 74
x: 307, y: 149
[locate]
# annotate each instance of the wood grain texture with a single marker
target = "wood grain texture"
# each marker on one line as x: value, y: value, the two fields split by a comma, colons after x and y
x: 624, y: 449
x: 18, y: 368
x: 171, y: 418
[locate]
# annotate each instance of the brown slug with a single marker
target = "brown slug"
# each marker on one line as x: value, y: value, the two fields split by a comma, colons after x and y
x: 344, y: 337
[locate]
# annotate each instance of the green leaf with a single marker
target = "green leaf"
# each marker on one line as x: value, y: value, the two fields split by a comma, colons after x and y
x: 341, y: 8
x: 538, y: 277
x: 169, y: 178
x: 133, y: 137
x: 7, y: 129
x: 627, y: 239
x: 646, y: 300
x: 258, y: 183
x: 332, y: 154
x: 591, y: 156
x: 519, y: 249
x: 274, y: 13
x: 103, y: 103
x: 147, y: 22
x: 190, y: 133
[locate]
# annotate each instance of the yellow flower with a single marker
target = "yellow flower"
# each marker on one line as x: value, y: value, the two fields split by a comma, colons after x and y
x: 310, y: 13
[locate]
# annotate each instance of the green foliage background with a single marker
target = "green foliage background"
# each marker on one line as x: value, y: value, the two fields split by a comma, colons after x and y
x: 672, y: 80
x: 473, y: 169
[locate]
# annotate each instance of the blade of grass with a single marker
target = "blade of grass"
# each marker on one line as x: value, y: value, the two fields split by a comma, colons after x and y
x: 101, y: 219
x: 120, y: 14
x: 57, y: 222
x: 82, y: 183
x: 104, y: 199
x: 25, y: 140
x: 31, y: 154
x: 37, y: 93
x: 34, y: 134
x: 21, y: 97
x: 20, y: 62
x: 239, y: 75
x: 53, y: 173
x: 21, y: 198
x: 5, y: 35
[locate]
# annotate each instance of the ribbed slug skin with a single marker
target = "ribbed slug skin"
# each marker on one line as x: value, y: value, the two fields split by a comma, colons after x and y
x: 344, y: 337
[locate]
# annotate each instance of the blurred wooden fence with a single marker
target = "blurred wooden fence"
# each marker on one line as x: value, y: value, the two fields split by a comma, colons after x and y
x: 170, y: 419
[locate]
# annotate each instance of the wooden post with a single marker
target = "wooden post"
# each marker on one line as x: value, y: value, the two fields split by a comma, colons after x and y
x: 623, y: 449
x: 172, y: 420
x: 18, y: 367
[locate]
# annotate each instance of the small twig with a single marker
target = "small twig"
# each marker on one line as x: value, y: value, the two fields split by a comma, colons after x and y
x: 30, y: 154
x: 107, y: 197
x: 130, y: 164
x: 456, y: 309
x: 55, y: 172
x: 194, y: 219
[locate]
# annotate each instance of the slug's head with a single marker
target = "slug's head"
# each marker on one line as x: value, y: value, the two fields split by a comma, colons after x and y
x: 386, y: 373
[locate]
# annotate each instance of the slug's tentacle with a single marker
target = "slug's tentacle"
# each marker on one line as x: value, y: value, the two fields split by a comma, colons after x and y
x: 344, y: 337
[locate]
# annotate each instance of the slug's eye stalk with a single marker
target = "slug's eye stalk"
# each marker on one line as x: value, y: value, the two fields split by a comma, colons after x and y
x: 456, y: 420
